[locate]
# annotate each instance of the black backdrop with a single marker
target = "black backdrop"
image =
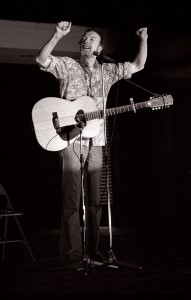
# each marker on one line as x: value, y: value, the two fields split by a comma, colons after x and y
x: 150, y: 150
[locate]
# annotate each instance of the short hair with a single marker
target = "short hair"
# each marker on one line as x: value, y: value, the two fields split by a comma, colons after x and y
x: 94, y: 30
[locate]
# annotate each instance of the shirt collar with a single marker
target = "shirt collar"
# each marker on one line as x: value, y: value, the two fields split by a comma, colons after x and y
x: 84, y: 64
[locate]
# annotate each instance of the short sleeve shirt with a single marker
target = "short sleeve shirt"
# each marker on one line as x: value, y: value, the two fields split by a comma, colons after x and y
x: 76, y: 80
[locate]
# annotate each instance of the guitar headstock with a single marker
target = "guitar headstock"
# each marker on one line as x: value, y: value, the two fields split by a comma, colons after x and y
x: 160, y: 102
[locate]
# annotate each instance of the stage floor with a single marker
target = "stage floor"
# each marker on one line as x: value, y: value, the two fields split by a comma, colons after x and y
x: 163, y: 258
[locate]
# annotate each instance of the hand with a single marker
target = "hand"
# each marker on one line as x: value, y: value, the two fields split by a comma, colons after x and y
x: 142, y: 33
x: 80, y: 124
x: 63, y: 27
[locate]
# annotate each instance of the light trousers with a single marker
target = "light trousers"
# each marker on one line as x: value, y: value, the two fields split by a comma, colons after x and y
x: 70, y: 244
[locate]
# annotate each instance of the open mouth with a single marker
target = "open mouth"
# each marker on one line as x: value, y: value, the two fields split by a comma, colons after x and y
x: 85, y: 47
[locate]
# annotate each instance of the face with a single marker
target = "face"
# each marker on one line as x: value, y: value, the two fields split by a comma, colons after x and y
x: 90, y: 42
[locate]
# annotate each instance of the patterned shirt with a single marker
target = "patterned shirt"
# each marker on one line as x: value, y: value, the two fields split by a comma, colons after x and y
x: 76, y: 80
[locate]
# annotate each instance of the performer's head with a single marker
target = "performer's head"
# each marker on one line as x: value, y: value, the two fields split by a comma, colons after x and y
x: 91, y: 41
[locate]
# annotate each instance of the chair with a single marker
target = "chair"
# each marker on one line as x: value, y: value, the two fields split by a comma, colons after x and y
x: 6, y: 212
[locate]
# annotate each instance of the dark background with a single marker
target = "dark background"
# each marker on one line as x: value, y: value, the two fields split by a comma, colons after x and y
x: 150, y: 150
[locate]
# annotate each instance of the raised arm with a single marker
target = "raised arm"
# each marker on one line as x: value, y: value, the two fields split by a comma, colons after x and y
x: 140, y: 59
x: 62, y: 28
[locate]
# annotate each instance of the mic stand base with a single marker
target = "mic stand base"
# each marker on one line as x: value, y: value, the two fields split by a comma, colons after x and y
x: 88, y: 263
x: 85, y: 263
x: 112, y: 262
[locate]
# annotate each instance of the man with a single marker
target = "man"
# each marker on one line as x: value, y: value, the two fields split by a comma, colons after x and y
x: 83, y: 77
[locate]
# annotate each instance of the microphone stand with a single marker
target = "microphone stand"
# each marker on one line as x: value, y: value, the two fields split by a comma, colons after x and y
x: 111, y: 259
x: 111, y: 256
x: 85, y: 259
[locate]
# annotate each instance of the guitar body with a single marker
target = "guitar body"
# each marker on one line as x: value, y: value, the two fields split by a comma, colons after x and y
x: 54, y: 119
x: 42, y: 116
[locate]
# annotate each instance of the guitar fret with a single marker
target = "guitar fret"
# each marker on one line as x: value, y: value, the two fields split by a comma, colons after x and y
x: 141, y: 105
x: 93, y: 115
x: 100, y: 114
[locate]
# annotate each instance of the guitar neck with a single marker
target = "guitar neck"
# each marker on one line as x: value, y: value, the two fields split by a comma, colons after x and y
x: 126, y: 108
x: 115, y: 111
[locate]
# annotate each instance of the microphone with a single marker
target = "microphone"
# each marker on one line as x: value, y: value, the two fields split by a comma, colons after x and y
x: 103, y: 57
